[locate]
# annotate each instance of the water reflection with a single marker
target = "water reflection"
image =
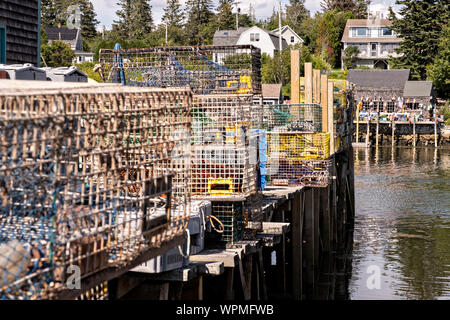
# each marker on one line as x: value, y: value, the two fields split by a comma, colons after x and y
x: 402, y: 223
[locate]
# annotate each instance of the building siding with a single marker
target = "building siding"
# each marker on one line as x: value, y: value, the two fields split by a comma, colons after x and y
x: 21, y: 18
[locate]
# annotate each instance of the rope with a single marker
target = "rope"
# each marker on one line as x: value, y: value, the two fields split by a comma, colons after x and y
x: 214, y: 227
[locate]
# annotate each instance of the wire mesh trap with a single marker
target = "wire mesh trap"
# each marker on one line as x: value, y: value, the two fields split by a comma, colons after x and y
x: 224, y: 160
x: 307, y: 173
x: 293, y: 118
x: 228, y: 223
x: 88, y: 180
x: 206, y: 69
x: 297, y: 146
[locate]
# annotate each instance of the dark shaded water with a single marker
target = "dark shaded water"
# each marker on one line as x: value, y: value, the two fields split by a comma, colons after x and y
x: 402, y: 224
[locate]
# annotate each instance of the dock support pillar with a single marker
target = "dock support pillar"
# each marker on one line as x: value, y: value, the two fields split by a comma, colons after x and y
x: 297, y: 246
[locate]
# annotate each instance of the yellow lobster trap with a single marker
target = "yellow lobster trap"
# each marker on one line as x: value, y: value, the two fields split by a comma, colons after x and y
x: 299, y: 146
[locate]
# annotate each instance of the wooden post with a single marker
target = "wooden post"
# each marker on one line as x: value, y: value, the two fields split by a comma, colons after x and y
x: 357, y: 123
x: 308, y: 83
x: 330, y: 117
x: 295, y: 76
x: 378, y: 125
x: 309, y: 238
x: 368, y: 131
x: 316, y: 86
x: 324, y: 101
x: 297, y: 245
x: 325, y: 220
x: 435, y: 129
x: 393, y: 131
x: 414, y: 130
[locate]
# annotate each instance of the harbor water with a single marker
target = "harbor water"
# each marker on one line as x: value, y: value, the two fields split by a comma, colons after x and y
x: 401, y: 246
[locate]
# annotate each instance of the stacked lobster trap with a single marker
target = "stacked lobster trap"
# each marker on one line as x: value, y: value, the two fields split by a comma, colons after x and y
x: 205, y: 69
x: 298, y: 152
x: 90, y: 178
x: 225, y: 80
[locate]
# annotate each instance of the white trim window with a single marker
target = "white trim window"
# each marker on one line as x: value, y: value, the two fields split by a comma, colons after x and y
x: 254, y: 37
x: 360, y: 32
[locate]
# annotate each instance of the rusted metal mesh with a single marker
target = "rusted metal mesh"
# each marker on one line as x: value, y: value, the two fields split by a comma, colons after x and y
x: 206, y: 69
x: 224, y: 160
x: 89, y: 177
x: 253, y: 215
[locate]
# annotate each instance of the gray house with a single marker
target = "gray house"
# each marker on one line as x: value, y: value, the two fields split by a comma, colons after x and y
x: 418, y: 93
x: 20, y: 32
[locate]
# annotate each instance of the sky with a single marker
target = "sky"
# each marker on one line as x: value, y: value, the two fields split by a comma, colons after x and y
x: 106, y: 9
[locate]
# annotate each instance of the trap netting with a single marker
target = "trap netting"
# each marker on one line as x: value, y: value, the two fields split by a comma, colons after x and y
x: 224, y: 161
x: 293, y: 118
x: 205, y: 69
x: 89, y: 178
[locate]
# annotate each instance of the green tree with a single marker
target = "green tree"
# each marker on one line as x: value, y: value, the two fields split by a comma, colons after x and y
x: 225, y: 17
x: 273, y: 22
x: 89, y: 20
x: 330, y: 30
x: 48, y: 13
x: 357, y: 7
x: 439, y: 71
x: 350, y: 56
x: 199, y: 27
x: 296, y: 13
x: 135, y: 19
x: 57, y: 54
x: 420, y: 27
x: 173, y: 14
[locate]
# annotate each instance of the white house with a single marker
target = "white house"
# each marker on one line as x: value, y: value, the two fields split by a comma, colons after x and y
x: 374, y: 39
x: 265, y: 40
x: 71, y: 37
x: 289, y: 35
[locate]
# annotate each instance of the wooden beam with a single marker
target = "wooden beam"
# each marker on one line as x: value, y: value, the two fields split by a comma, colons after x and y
x: 295, y: 76
x: 324, y: 101
x: 316, y: 86
x: 308, y: 82
x: 330, y: 118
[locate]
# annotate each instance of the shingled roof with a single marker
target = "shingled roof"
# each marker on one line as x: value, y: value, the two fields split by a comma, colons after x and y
x: 63, y: 34
x: 367, y: 23
x: 227, y: 37
x: 418, y: 89
x: 379, y: 79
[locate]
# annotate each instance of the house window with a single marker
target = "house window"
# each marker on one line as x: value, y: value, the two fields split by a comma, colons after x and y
x: 386, y: 32
x: 254, y: 37
x: 2, y: 44
x: 359, y: 32
x: 292, y: 39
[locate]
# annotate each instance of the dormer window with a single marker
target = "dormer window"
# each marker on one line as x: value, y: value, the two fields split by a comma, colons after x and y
x: 386, y: 32
x: 359, y: 32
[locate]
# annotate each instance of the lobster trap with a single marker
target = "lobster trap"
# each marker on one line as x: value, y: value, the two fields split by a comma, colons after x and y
x: 307, y: 173
x: 298, y: 146
x: 224, y: 160
x: 89, y: 177
x: 293, y: 118
x: 228, y: 222
x: 205, y: 69
x: 253, y: 215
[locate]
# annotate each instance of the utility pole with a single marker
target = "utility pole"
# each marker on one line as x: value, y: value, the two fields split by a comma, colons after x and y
x: 166, y: 33
x: 237, y: 14
x: 279, y: 28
